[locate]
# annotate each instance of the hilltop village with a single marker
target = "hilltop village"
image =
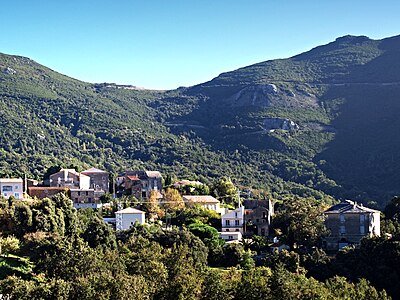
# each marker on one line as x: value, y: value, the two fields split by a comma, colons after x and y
x: 139, y: 197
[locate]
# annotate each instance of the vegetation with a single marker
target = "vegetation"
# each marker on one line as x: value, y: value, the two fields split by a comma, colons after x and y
x: 342, y: 96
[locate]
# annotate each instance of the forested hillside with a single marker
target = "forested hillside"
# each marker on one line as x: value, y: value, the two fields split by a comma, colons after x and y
x: 320, y: 123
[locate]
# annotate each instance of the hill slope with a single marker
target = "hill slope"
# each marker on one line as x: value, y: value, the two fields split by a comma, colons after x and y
x: 322, y: 122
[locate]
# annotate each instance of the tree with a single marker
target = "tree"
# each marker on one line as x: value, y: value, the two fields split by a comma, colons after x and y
x: 225, y: 190
x: 173, y: 200
x: 8, y: 245
x: 301, y: 221
x: 99, y: 234
x: 152, y: 207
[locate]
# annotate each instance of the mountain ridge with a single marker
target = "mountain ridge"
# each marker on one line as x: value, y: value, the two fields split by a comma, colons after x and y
x: 291, y: 125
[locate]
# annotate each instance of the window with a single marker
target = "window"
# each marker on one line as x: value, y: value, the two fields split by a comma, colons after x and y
x: 235, y: 214
x: 16, y: 187
x: 362, y: 229
x: 342, y: 219
x: 89, y: 200
x: 362, y: 219
x: 79, y: 193
x: 87, y: 193
x: 264, y: 214
x: 342, y: 229
x: 16, y: 195
x: 227, y: 223
x: 237, y: 222
x: 7, y: 188
x: 230, y: 237
x: 237, y: 229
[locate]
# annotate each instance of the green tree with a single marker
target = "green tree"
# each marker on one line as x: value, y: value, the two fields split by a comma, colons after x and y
x: 9, y: 244
x: 301, y: 221
x: 226, y: 191
x: 99, y: 234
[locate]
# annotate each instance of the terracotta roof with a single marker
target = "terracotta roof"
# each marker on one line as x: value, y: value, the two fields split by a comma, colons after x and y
x: 200, y: 199
x: 47, y: 188
x: 133, y: 177
x: 348, y: 206
x: 130, y: 210
x: 93, y: 170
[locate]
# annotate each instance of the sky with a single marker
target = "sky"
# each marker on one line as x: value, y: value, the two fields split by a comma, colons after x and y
x: 165, y: 44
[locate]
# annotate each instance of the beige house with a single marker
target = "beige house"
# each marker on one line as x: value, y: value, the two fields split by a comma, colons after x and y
x: 207, y: 202
x: 348, y: 222
x: 12, y: 187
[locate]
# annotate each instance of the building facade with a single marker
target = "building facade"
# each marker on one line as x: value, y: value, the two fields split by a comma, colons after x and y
x: 98, y: 179
x: 12, y: 187
x: 348, y: 222
x: 69, y: 178
x: 126, y: 218
x: 205, y: 201
x: 233, y: 220
x: 257, y: 217
x: 139, y: 183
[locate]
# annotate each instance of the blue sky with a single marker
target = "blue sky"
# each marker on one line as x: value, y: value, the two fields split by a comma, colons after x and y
x: 164, y: 44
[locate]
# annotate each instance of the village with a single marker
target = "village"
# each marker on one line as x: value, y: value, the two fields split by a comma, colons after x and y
x: 347, y: 222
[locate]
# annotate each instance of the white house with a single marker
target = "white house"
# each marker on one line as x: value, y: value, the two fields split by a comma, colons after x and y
x: 230, y: 236
x: 11, y: 187
x: 127, y: 217
x: 233, y: 222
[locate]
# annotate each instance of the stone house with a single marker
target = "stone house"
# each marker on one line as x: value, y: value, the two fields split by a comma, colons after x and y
x: 69, y: 178
x: 139, y: 183
x: 98, y: 179
x: 86, y: 198
x: 257, y: 217
x: 348, y: 222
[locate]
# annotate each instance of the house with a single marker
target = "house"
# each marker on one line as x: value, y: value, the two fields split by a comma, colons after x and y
x: 207, y: 202
x: 233, y: 221
x: 127, y: 217
x: 348, y: 222
x: 230, y: 236
x: 11, y: 187
x: 42, y: 192
x: 98, y: 179
x: 86, y: 198
x: 184, y: 182
x: 69, y: 178
x: 139, y: 183
x: 257, y: 216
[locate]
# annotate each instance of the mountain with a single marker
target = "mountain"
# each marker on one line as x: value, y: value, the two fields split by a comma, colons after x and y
x: 317, y: 124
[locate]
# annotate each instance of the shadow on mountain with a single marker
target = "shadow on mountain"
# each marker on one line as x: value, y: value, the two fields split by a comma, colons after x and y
x: 365, y: 152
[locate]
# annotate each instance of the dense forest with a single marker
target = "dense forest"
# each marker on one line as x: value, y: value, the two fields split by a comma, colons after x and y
x: 49, y: 250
